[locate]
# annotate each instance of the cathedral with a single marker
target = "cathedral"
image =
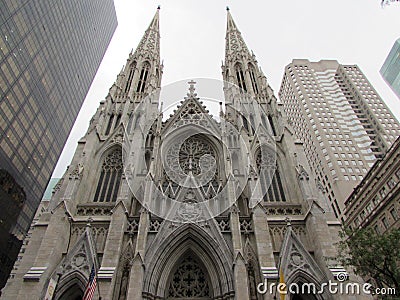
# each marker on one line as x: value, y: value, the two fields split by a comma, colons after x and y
x: 186, y: 206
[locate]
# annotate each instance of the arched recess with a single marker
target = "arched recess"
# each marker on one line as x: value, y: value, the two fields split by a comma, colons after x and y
x: 72, y: 272
x: 270, y: 164
x: 299, y: 269
x: 128, y: 84
x: 302, y: 284
x: 189, y: 279
x: 240, y: 77
x: 70, y: 287
x: 144, y: 74
x: 253, y: 78
x: 253, y: 270
x: 125, y: 265
x: 109, y: 175
x: 189, y: 238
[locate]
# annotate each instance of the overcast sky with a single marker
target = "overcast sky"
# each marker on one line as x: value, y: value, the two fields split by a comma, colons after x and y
x: 193, y: 40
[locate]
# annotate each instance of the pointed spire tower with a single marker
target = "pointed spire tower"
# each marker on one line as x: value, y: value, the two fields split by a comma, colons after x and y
x: 143, y: 70
x: 235, y: 44
x: 241, y: 68
x: 140, y: 77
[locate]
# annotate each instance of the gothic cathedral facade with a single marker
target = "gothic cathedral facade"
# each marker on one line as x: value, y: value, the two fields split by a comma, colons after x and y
x: 107, y: 216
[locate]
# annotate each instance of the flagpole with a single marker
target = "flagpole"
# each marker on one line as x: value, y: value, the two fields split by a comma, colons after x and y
x: 98, y: 286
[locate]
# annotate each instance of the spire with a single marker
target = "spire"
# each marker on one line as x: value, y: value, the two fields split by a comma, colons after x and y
x: 149, y: 46
x: 234, y: 40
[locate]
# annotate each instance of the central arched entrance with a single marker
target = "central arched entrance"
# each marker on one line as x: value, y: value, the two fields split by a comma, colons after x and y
x: 188, y: 264
x: 189, y: 279
x: 72, y: 288
x: 303, y: 297
x: 72, y: 293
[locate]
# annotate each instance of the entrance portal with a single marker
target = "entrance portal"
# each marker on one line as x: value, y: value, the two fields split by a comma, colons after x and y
x: 189, y: 281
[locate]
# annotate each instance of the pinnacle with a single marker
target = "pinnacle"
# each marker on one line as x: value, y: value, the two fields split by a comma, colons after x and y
x: 234, y: 39
x: 150, y: 42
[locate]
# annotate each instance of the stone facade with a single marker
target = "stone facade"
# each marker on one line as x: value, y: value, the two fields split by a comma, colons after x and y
x: 103, y: 209
x: 375, y: 201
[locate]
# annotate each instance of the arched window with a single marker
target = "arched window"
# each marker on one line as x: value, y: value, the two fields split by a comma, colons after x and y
x: 245, y: 124
x: 264, y: 122
x: 143, y: 78
x: 110, y: 177
x: 158, y: 76
x: 240, y: 77
x: 275, y: 192
x: 128, y: 127
x: 130, y: 77
x: 109, y: 125
x: 271, y: 122
x: 253, y: 78
x: 252, y: 124
x: 117, y: 121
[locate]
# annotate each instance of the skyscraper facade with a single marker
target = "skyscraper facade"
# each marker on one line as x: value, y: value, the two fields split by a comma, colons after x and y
x: 343, y: 122
x: 49, y: 54
x: 134, y: 203
x: 390, y: 70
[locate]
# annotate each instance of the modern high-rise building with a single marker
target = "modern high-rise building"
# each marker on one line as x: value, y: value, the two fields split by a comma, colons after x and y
x: 134, y: 204
x: 49, y: 54
x: 344, y: 124
x: 390, y: 70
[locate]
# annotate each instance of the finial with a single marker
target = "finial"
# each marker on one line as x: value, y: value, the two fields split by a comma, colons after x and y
x: 159, y: 7
x: 288, y: 222
x: 227, y: 8
x: 191, y: 93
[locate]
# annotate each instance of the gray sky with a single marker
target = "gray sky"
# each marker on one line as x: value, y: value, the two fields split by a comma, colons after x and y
x: 193, y: 41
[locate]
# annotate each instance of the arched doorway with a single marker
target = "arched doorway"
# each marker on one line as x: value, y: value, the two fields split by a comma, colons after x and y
x: 70, y: 287
x: 74, y: 292
x: 169, y: 249
x: 189, y: 280
x: 305, y: 292
x: 303, y: 297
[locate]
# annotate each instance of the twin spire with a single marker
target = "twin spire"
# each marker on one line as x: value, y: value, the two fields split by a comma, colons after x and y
x: 150, y: 42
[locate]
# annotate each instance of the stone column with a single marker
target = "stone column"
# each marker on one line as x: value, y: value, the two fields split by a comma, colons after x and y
x: 235, y: 229
x: 263, y: 242
x: 260, y: 227
x: 239, y: 267
x: 112, y: 252
x: 49, y: 255
x: 137, y: 271
x: 240, y: 278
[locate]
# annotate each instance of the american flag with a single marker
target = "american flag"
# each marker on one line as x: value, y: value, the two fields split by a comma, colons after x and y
x: 91, y: 286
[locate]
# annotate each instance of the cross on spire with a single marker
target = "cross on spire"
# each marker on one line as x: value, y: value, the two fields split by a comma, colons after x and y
x: 191, y: 93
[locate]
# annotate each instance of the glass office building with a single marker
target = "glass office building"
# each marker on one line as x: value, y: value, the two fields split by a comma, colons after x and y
x: 390, y: 70
x: 49, y: 54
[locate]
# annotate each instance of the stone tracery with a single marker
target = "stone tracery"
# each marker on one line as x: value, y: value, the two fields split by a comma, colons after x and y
x: 189, y: 281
